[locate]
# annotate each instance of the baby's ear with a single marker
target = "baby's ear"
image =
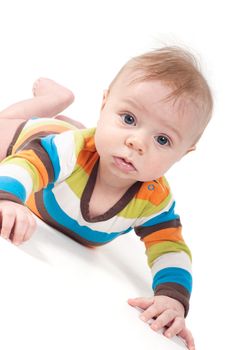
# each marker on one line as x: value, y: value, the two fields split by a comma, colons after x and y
x: 104, y: 98
x: 191, y: 149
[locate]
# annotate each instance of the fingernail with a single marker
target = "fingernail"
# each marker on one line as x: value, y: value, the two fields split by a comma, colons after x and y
x: 168, y: 335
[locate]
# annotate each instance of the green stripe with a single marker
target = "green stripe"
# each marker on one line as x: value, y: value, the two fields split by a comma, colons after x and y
x: 134, y: 208
x: 77, y: 181
x: 137, y: 206
x: 79, y: 178
x: 156, y: 250
x: 79, y: 137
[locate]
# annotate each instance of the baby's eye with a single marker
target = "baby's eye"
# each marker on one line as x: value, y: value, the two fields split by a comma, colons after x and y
x: 162, y: 140
x: 128, y: 119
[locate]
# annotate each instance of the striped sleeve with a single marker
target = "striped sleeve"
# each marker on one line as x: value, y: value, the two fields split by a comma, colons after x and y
x: 168, y: 256
x: 39, y: 162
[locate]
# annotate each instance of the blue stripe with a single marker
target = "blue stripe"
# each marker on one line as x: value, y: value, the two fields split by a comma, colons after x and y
x: 166, y: 216
x: 55, y: 211
x: 13, y: 186
x: 50, y: 147
x: 175, y: 275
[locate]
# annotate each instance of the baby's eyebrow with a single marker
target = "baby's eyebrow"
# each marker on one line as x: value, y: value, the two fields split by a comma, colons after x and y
x: 173, y: 129
x: 133, y: 103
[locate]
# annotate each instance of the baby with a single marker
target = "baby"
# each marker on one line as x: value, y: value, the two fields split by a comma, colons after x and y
x: 99, y: 183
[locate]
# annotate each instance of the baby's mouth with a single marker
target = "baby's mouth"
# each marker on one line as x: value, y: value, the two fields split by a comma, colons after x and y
x: 124, y: 164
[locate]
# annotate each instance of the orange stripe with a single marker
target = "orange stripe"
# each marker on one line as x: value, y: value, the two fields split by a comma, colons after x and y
x: 88, y: 155
x: 87, y: 161
x: 168, y: 234
x: 38, y: 164
x: 32, y: 205
x: 89, y: 144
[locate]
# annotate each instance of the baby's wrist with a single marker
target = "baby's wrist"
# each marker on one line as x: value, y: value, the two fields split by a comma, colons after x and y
x: 174, y: 291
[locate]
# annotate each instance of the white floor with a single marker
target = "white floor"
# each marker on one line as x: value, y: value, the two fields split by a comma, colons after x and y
x: 57, y: 294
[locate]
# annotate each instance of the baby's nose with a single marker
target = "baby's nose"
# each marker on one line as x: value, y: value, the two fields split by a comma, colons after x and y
x: 136, y: 145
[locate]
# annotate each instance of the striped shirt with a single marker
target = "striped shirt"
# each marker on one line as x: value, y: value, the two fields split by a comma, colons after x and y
x: 53, y: 168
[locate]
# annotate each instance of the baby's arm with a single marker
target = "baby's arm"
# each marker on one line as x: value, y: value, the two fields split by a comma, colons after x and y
x: 40, y: 162
x: 170, y: 261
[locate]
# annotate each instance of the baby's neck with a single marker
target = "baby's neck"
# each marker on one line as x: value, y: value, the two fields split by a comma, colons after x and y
x: 113, y: 185
x: 110, y: 186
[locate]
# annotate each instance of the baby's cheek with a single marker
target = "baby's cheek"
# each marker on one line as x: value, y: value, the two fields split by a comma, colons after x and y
x: 157, y: 169
x: 102, y: 140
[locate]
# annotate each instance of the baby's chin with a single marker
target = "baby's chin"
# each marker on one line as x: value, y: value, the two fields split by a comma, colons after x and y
x: 148, y: 179
x: 149, y: 175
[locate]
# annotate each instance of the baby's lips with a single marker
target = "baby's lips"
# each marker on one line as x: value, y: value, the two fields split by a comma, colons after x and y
x: 123, y: 164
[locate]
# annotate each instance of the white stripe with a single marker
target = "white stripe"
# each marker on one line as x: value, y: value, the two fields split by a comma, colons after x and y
x: 20, y: 174
x: 180, y: 260
x: 65, y: 144
x: 70, y: 204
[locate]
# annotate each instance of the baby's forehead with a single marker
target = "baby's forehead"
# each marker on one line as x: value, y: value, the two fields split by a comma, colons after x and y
x: 130, y: 79
x: 137, y: 86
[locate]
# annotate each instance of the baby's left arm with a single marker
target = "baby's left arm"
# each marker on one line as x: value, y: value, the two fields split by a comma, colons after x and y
x: 169, y: 258
x: 162, y: 311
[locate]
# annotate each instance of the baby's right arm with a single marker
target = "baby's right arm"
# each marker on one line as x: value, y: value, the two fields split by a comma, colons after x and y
x: 40, y: 162
x: 17, y: 223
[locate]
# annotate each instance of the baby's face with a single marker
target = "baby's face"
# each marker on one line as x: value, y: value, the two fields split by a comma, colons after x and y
x: 140, y: 136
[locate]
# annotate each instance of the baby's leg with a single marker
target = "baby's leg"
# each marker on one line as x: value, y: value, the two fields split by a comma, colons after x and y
x: 70, y: 121
x: 49, y: 99
x: 8, y: 128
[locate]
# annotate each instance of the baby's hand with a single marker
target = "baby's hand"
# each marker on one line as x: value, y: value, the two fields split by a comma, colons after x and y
x: 16, y: 222
x: 168, y: 312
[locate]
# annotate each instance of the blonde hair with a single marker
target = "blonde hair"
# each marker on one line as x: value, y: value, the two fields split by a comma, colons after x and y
x: 179, y: 69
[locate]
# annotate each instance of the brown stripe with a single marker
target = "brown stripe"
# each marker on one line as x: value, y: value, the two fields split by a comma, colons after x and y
x: 9, y: 197
x: 37, y: 135
x: 175, y: 291
x: 36, y: 147
x: 145, y: 231
x: 16, y: 135
x: 50, y: 221
x: 117, y: 207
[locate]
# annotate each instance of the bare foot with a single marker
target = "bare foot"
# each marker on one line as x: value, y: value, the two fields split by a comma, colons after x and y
x: 45, y: 87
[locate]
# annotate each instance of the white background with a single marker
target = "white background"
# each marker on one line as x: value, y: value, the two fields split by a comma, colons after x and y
x: 82, y: 44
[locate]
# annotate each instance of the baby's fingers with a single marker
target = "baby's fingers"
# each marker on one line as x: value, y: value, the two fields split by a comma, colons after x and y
x: 163, y: 320
x: 155, y: 310
x: 143, y: 303
x: 31, y: 228
x: 8, y: 220
x: 20, y: 229
x: 187, y: 336
x: 176, y: 327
